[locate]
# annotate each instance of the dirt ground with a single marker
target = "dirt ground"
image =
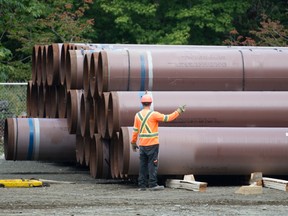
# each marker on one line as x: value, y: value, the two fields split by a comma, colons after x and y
x: 109, y: 197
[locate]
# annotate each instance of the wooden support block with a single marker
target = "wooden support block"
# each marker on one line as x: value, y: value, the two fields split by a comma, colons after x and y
x: 188, y: 185
x: 256, y: 178
x: 189, y: 178
x: 277, y: 184
x: 249, y: 190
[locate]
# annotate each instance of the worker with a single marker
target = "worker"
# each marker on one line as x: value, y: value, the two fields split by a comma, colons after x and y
x: 146, y: 126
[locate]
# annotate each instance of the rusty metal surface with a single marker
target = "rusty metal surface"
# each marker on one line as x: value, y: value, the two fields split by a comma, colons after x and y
x: 73, y: 111
x: 86, y: 74
x: 54, y: 57
x: 93, y: 116
x: 102, y: 123
x: 209, y: 109
x: 45, y: 65
x: 34, y: 100
x: 211, y: 151
x: 80, y: 152
x: 62, y: 101
x: 40, y: 65
x: 92, y: 74
x: 41, y: 101
x: 28, y: 98
x: 85, y: 115
x: 34, y: 63
x: 38, y: 139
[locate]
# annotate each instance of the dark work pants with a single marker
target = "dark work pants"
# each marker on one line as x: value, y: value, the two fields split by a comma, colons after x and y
x: 148, y: 165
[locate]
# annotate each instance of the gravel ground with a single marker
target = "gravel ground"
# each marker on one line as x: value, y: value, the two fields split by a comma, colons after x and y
x: 108, y: 197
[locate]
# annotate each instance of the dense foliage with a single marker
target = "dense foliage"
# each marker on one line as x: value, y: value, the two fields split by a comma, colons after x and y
x: 24, y: 23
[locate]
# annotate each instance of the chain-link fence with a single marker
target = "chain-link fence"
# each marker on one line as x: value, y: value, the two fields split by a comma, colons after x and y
x: 12, y: 104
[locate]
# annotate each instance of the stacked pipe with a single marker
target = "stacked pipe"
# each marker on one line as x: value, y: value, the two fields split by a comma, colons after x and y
x: 235, y: 96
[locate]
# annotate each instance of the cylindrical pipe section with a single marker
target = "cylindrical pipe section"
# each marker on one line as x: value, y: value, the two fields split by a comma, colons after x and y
x: 93, y: 163
x: 93, y: 118
x: 87, y: 143
x: 209, y: 109
x: 73, y: 111
x: 62, y: 101
x: 41, y: 101
x: 93, y: 73
x: 265, y: 70
x: 62, y: 69
x: 35, y: 51
x: 115, y: 152
x: 54, y: 58
x: 40, y: 65
x: 45, y: 67
x: 85, y: 115
x: 80, y: 153
x: 86, y: 74
x: 38, y: 139
x: 159, y: 70
x: 214, y: 151
x: 103, y: 116
x: 53, y: 101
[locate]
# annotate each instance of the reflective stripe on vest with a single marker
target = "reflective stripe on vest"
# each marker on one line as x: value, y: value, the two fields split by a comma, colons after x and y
x: 143, y: 123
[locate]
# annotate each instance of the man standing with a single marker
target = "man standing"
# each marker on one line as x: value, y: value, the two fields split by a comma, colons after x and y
x: 146, y: 125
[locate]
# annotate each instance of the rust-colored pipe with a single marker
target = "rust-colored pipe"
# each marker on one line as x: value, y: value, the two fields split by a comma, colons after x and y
x: 209, y: 109
x: 62, y: 101
x: 74, y: 68
x: 80, y: 149
x: 53, y: 101
x: 92, y: 74
x: 86, y: 74
x: 62, y: 69
x: 40, y: 65
x: 34, y: 63
x: 85, y: 115
x: 265, y: 70
x: 87, y: 144
x: 103, y: 115
x: 45, y: 65
x: 41, y: 100
x: 73, y: 111
x: 38, y: 139
x: 159, y: 70
x: 28, y: 96
x: 54, y: 57
x: 214, y: 151
x: 93, y: 118
x: 99, y: 157
x: 115, y: 153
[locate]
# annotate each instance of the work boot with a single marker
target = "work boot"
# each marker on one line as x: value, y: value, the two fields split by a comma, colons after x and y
x: 157, y: 187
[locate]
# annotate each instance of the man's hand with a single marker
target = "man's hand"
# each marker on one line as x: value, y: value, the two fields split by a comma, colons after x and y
x: 134, y: 147
x: 181, y: 109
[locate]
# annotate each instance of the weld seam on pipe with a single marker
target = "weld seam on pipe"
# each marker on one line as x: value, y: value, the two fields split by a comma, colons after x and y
x: 37, y: 139
x: 129, y: 70
x: 150, y: 70
x: 143, y: 72
x: 243, y: 70
x: 31, y: 138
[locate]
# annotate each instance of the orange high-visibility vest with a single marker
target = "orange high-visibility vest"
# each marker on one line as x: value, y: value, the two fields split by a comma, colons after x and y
x: 146, y: 126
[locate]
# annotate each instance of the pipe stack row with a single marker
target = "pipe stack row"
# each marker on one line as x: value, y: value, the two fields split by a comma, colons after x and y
x: 235, y: 121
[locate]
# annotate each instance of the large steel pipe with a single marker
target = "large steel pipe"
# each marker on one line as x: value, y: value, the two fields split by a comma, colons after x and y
x: 214, y: 151
x: 175, y: 70
x: 92, y: 74
x: 62, y: 101
x: 41, y: 100
x: 93, y: 116
x: 54, y: 58
x: 87, y: 144
x: 73, y: 111
x: 35, y: 51
x: 34, y: 100
x: 265, y: 70
x: 74, y: 68
x: 102, y: 115
x: 45, y: 65
x: 85, y: 115
x: 38, y: 139
x: 40, y: 65
x: 86, y: 74
x: 52, y: 101
x: 99, y: 157
x: 80, y: 153
x: 209, y: 109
